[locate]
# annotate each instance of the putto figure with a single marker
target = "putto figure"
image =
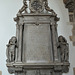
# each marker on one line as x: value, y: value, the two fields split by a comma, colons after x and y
x: 24, y: 7
x: 47, y: 7
x: 64, y: 47
x: 11, y: 49
x: 35, y: 6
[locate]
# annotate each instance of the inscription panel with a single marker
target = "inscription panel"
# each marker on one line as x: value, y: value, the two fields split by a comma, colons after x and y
x: 37, y: 43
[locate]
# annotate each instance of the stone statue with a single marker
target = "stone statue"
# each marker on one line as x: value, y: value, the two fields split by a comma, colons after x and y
x: 47, y: 7
x: 11, y: 48
x: 24, y: 7
x: 64, y: 49
x: 36, y: 6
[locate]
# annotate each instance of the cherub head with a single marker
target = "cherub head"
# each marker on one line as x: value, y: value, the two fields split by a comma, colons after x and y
x: 62, y: 39
x: 24, y: 2
x: 13, y: 40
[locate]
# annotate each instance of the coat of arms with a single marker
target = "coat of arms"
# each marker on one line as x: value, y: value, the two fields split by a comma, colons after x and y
x: 36, y: 6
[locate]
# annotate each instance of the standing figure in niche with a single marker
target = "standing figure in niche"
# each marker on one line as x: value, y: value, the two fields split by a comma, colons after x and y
x: 64, y: 49
x: 11, y: 49
x: 24, y: 7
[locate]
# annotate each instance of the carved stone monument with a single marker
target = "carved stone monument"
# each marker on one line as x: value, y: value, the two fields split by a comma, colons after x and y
x: 36, y: 49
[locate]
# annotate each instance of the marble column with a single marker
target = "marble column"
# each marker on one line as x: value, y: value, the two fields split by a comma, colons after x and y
x: 20, y: 45
x: 17, y: 36
x: 54, y: 38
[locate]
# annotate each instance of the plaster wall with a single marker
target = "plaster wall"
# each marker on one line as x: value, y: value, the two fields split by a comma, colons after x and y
x: 9, y: 9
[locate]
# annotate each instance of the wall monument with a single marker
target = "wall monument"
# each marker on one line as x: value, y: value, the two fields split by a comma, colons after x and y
x: 37, y: 49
